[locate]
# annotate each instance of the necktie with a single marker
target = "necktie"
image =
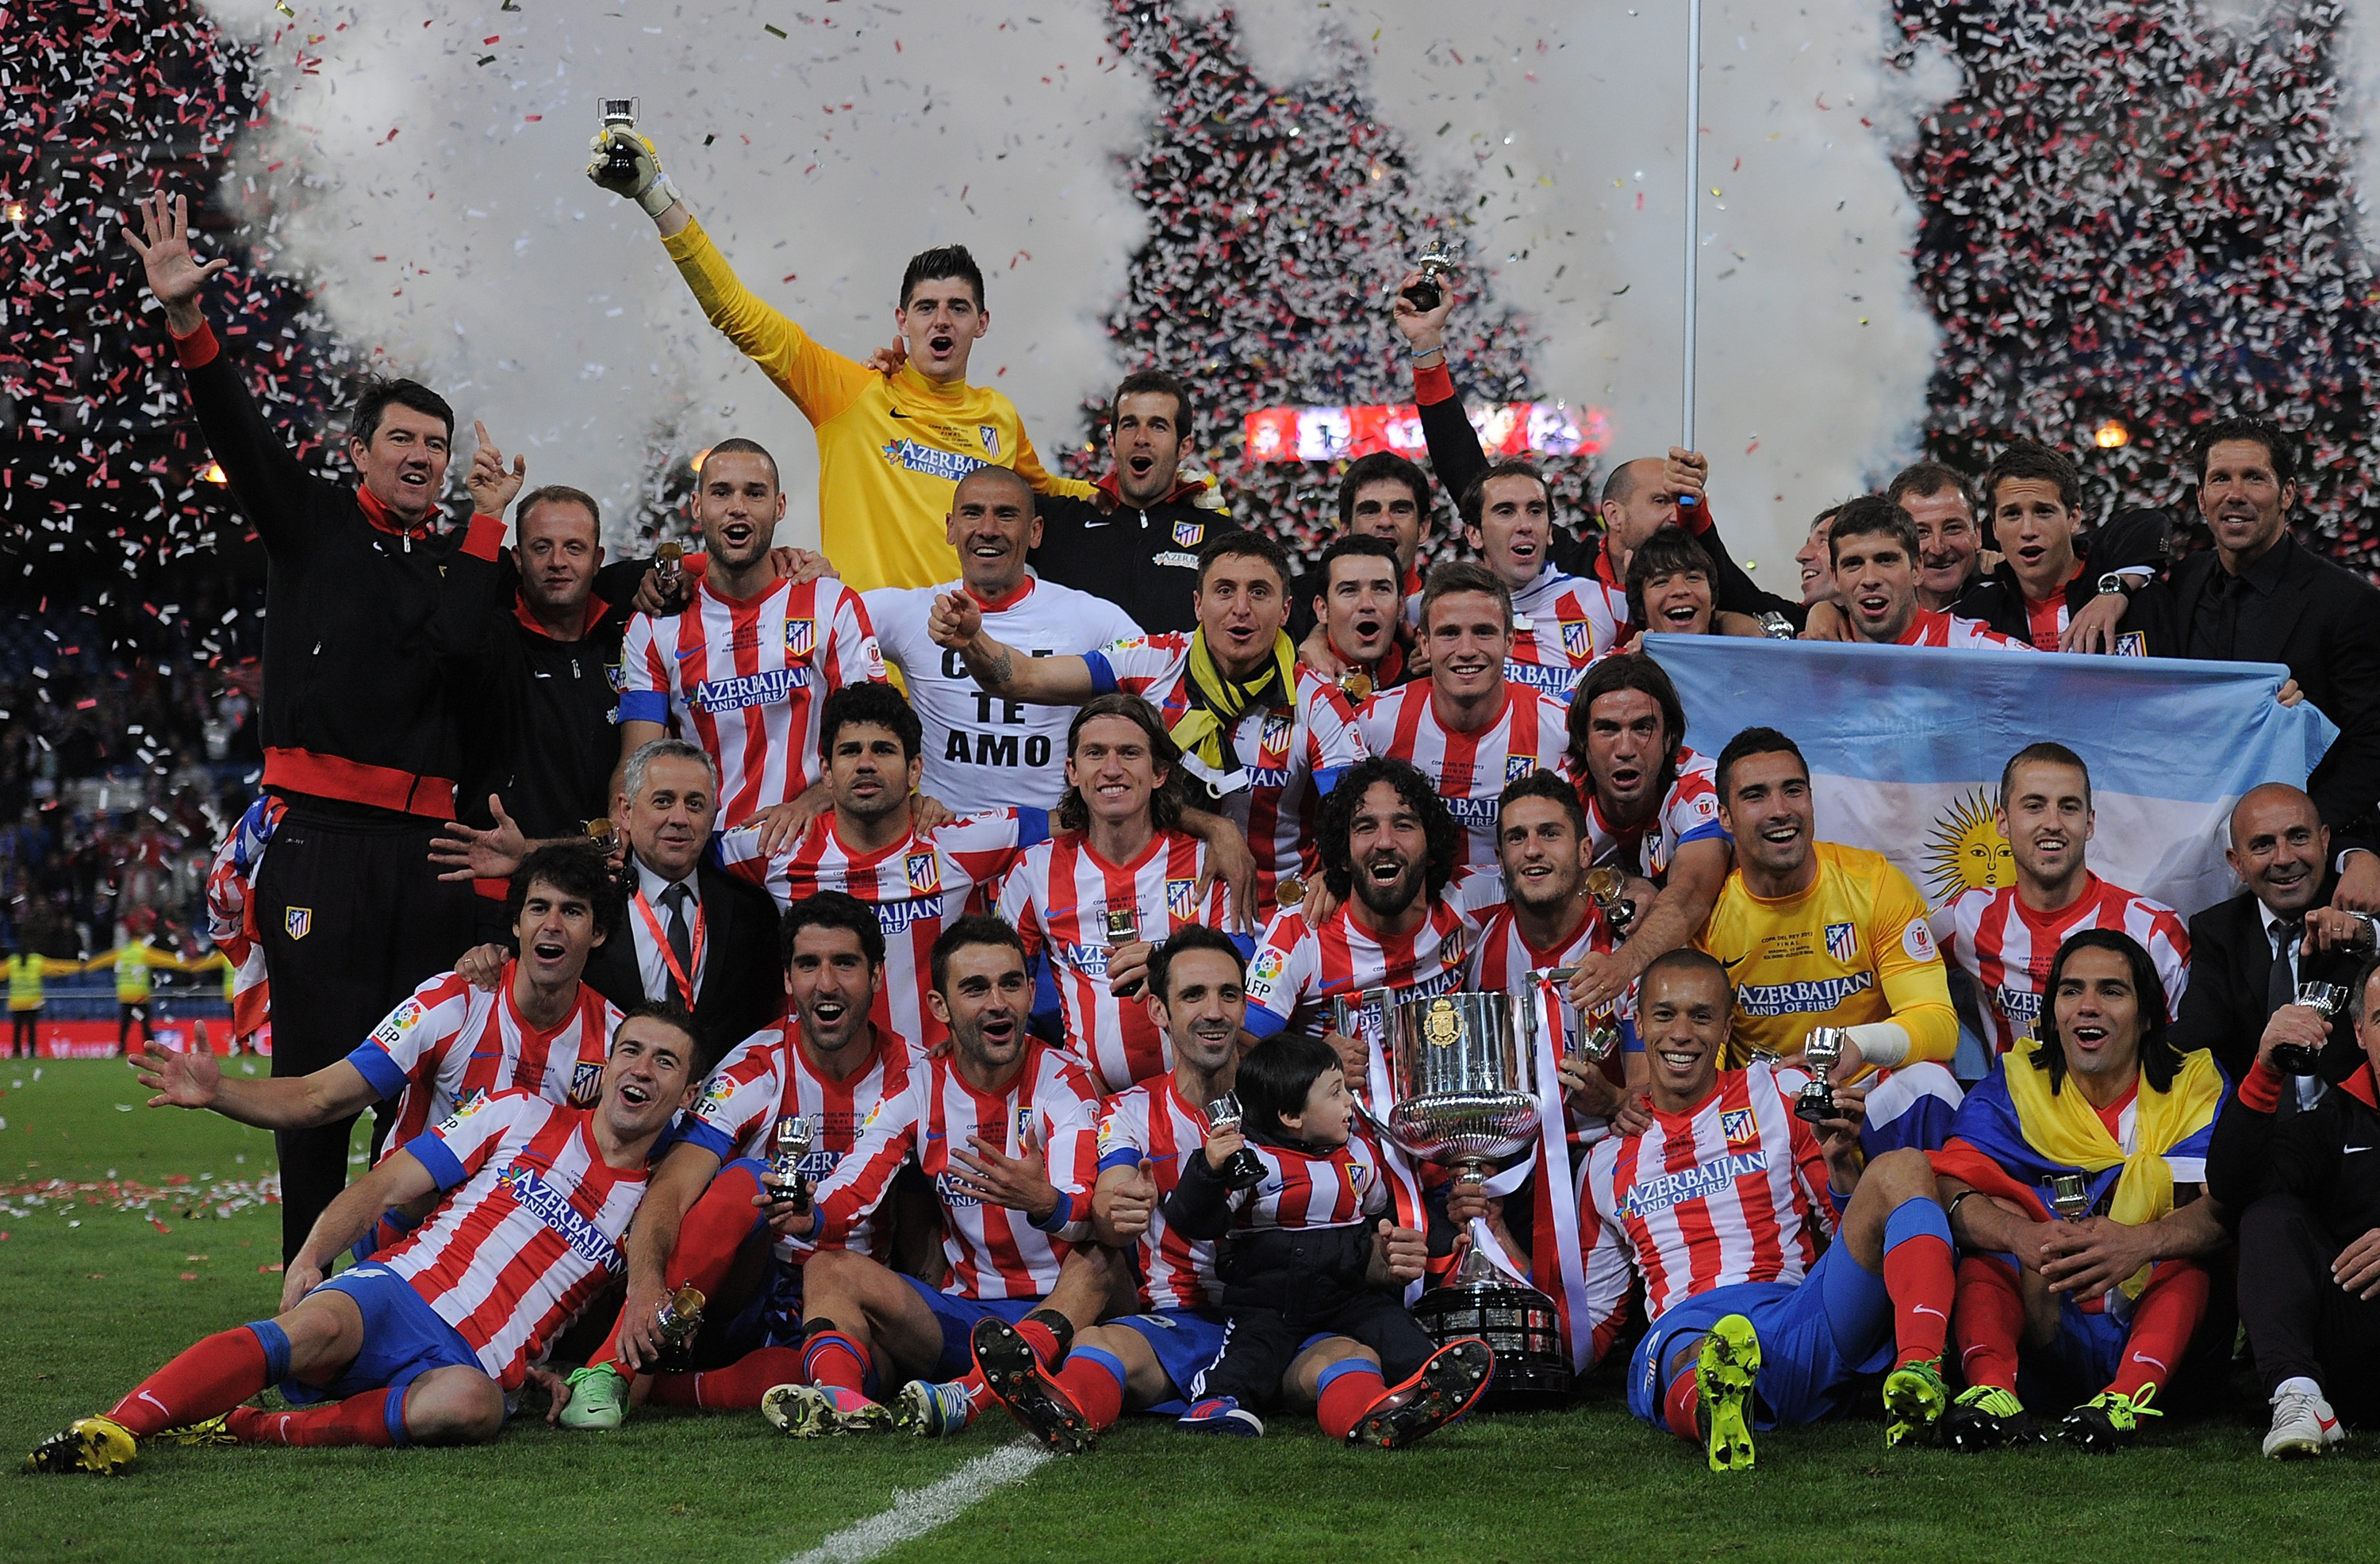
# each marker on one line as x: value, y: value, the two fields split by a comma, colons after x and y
x: 2281, y: 989
x: 681, y: 930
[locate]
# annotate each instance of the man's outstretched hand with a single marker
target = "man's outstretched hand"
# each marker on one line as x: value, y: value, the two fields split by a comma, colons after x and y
x: 175, y: 276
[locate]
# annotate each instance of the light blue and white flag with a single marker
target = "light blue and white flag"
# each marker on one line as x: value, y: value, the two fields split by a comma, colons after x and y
x: 1905, y: 745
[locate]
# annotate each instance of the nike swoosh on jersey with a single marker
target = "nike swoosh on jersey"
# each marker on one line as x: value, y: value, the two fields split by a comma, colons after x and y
x: 2351, y: 1150
x: 1732, y: 966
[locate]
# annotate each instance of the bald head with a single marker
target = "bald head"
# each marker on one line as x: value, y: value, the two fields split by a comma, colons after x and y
x: 1636, y: 504
x: 2279, y: 847
x: 990, y: 480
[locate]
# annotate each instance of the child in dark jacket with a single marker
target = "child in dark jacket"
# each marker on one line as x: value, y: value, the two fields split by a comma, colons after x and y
x: 1306, y: 1252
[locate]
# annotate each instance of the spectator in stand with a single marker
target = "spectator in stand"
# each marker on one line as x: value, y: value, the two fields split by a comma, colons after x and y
x: 2260, y: 596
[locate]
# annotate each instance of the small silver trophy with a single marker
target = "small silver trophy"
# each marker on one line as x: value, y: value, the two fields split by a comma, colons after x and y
x: 1433, y: 263
x: 2069, y: 1196
x: 2326, y: 999
x: 1776, y: 627
x: 1592, y: 1035
x: 792, y: 1140
x: 619, y: 161
x: 1607, y: 887
x: 1243, y: 1169
x: 1123, y: 928
x: 681, y: 1315
x: 1823, y: 1049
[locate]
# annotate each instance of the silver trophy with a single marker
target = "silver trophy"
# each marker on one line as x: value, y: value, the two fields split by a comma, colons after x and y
x: 1363, y: 1016
x: 1123, y: 928
x: 619, y: 161
x: 792, y: 1140
x: 1776, y: 627
x: 1607, y: 886
x: 1592, y: 1035
x: 2326, y: 999
x: 2069, y: 1196
x: 681, y: 1315
x: 1823, y: 1049
x: 1243, y: 1169
x: 1462, y: 1068
x: 1433, y: 263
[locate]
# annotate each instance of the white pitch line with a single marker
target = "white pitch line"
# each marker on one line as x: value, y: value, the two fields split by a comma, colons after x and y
x: 914, y: 1514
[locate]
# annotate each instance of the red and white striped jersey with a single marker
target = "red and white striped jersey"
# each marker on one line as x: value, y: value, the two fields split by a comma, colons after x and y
x: 1290, y: 755
x: 1559, y: 624
x: 1939, y: 627
x: 746, y: 679
x: 1688, y: 812
x: 1059, y: 899
x: 1304, y: 1189
x: 1502, y: 958
x: 1469, y: 769
x: 528, y: 1233
x: 2007, y: 947
x: 1151, y: 1122
x: 765, y: 1077
x: 915, y: 886
x: 1298, y: 969
x: 1052, y: 1109
x: 1720, y: 1195
x: 448, y: 1040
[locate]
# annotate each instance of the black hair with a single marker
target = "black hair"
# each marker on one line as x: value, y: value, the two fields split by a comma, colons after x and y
x: 374, y: 395
x: 1685, y: 958
x: 1165, y: 804
x: 2030, y: 459
x: 1926, y: 479
x: 736, y: 446
x: 1276, y: 1077
x: 831, y: 909
x: 881, y: 706
x: 675, y: 1016
x: 1670, y: 549
x: 1443, y: 837
x: 1354, y: 545
x: 1872, y: 515
x: 1181, y: 943
x: 1542, y: 784
x: 1241, y: 544
x: 576, y: 870
x: 1628, y: 671
x: 2261, y: 431
x: 1752, y: 741
x: 2161, y: 1061
x: 1156, y: 382
x: 975, y: 929
x: 1379, y: 466
x: 1464, y: 575
x: 946, y: 260
x: 1473, y: 500
x: 2051, y: 754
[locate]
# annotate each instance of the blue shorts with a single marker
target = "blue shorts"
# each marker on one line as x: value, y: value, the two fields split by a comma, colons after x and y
x: 404, y: 1339
x: 1186, y: 1341
x: 1814, y: 1337
x: 2079, y: 1361
x: 958, y: 1316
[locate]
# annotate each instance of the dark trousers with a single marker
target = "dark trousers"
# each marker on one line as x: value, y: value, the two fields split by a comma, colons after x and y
x: 1259, y: 1344
x: 24, y: 1032
x: 354, y: 918
x: 128, y: 1017
x: 2299, y: 1321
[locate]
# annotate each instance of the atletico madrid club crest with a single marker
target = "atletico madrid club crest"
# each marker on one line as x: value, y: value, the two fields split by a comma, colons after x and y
x: 1519, y: 766
x: 1578, y: 640
x: 1189, y: 534
x: 1842, y: 941
x: 586, y: 1083
x: 1739, y: 1127
x: 299, y: 921
x: 801, y: 635
x: 990, y: 433
x: 1182, y: 900
x: 925, y: 874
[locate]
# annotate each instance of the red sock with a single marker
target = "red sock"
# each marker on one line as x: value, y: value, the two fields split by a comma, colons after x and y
x: 1991, y: 1322
x: 216, y: 1376
x: 1093, y: 1386
x: 1918, y: 1273
x: 1681, y: 1407
x: 2163, y: 1322
x: 707, y: 1240
x: 831, y: 1358
x: 1037, y: 1336
x: 1347, y: 1395
x: 740, y: 1384
x: 359, y: 1419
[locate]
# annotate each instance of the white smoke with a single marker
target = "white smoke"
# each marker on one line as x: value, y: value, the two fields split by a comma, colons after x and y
x: 440, y: 202
x: 438, y: 195
x: 1569, y: 115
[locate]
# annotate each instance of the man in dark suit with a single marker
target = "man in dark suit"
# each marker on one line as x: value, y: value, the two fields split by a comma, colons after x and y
x: 696, y: 934
x: 2248, y: 955
x: 2261, y: 597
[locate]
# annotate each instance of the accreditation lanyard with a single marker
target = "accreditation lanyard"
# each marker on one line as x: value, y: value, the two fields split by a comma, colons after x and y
x: 678, y: 975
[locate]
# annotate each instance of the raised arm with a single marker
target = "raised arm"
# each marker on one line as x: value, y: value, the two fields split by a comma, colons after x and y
x: 283, y: 1102
x: 956, y: 623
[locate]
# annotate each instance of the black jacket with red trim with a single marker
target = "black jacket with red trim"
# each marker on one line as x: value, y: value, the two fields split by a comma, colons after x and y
x: 2131, y: 539
x: 369, y: 635
x: 2327, y: 1156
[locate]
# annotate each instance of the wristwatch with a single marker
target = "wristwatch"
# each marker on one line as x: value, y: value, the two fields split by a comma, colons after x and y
x: 2115, y: 581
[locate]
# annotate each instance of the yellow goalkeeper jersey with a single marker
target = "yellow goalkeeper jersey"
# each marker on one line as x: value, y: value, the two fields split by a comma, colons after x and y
x: 1853, y: 948
x: 889, y: 451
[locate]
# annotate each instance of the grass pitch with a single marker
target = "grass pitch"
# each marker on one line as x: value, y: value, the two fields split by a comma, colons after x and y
x: 100, y: 1285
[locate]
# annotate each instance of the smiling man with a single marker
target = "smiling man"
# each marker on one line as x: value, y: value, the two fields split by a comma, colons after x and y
x: 891, y: 448
x: 987, y: 751
x: 1135, y: 541
x: 1559, y: 623
x: 431, y: 1341
x: 1938, y: 501
x: 2260, y: 596
x: 1872, y: 545
x: 1359, y: 611
x: 2007, y: 938
x: 2110, y: 1295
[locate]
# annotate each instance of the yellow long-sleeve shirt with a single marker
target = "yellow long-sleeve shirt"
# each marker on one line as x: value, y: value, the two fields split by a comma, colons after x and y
x: 133, y: 964
x: 1853, y: 948
x: 26, y: 971
x: 889, y: 451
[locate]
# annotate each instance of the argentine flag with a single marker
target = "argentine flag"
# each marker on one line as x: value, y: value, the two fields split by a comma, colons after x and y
x: 1905, y: 745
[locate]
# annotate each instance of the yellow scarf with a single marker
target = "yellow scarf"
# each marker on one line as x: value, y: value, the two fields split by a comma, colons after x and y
x: 2065, y: 1128
x: 1217, y: 703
